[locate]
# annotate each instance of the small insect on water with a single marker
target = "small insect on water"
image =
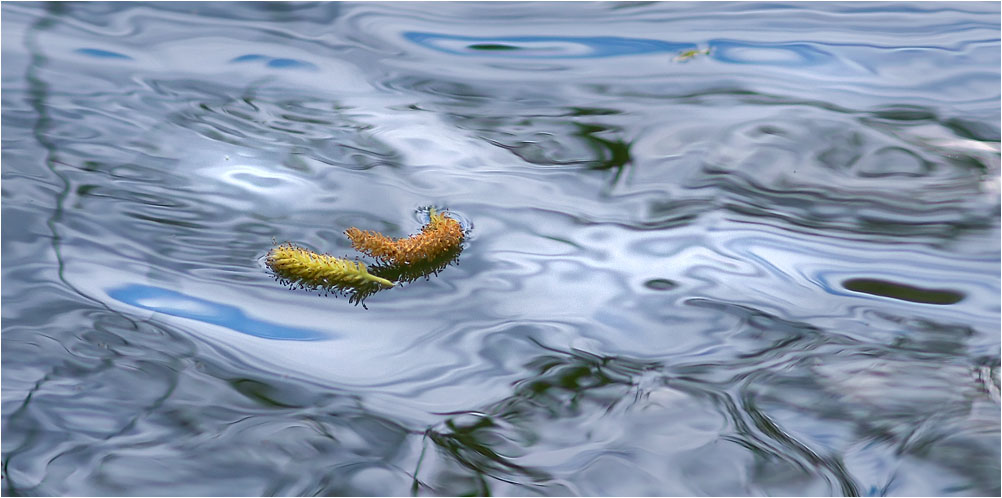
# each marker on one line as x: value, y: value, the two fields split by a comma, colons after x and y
x: 685, y: 55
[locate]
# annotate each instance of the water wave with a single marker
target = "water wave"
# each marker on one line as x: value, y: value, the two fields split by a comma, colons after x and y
x: 719, y: 249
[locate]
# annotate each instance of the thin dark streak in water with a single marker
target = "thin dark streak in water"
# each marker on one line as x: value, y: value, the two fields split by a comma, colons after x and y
x: 902, y: 291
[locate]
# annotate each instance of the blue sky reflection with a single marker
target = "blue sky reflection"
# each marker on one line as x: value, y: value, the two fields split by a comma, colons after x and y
x: 174, y: 303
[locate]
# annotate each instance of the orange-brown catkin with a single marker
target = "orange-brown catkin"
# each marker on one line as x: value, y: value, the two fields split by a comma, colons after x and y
x: 440, y: 235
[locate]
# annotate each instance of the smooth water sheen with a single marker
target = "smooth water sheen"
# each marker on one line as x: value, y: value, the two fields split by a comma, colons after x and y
x: 715, y: 249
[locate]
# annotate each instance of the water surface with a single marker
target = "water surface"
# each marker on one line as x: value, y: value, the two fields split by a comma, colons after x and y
x: 714, y: 249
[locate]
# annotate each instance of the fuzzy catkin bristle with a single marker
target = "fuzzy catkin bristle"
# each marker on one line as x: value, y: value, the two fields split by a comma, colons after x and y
x: 440, y: 236
x: 403, y: 274
x: 312, y: 270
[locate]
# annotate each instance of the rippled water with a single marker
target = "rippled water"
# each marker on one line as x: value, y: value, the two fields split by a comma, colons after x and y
x: 715, y: 249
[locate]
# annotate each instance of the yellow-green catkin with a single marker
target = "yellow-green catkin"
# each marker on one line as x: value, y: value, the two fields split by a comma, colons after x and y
x: 308, y: 269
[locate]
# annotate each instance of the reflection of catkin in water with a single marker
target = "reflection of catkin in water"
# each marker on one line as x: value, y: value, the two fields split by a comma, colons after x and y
x: 298, y: 266
x: 442, y: 235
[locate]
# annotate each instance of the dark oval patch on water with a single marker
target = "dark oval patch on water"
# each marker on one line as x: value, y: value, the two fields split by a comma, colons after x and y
x: 492, y: 46
x: 661, y: 284
x: 902, y: 291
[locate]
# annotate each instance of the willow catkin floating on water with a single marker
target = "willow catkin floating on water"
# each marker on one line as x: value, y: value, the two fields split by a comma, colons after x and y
x: 442, y: 235
x: 298, y: 266
x: 399, y: 261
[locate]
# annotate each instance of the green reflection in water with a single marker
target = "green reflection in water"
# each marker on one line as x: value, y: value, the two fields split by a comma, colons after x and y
x: 488, y: 442
x: 611, y: 154
x: 903, y: 292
